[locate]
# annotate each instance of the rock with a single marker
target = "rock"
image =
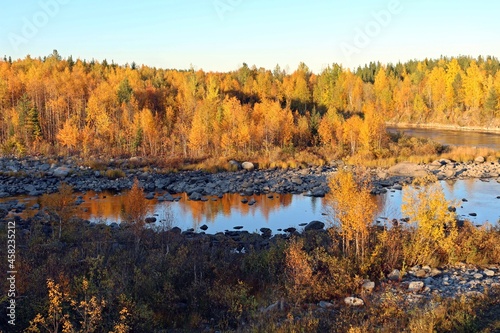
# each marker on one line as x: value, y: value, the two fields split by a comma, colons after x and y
x: 478, y: 276
x: 429, y: 281
x: 252, y: 202
x: 448, y: 173
x: 479, y: 159
x: 247, y: 166
x: 234, y: 165
x: 266, y: 232
x: 238, y: 227
x: 325, y: 305
x: 415, y: 286
x: 290, y: 230
x: 314, y: 225
x: 395, y: 275
x: 168, y: 197
x: 368, y: 286
x: 61, y: 172
x: 435, y: 272
x: 296, y: 180
x: 353, y: 301
x: 204, y: 227
x: 3, y: 213
x: 176, y: 230
x: 150, y: 196
x: 150, y: 220
x: 421, y: 273
x: 407, y: 169
x: 195, y: 196
x: 489, y: 272
x: 472, y: 214
x: 397, y: 187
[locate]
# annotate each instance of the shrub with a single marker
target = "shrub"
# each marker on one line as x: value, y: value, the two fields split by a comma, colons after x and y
x: 114, y: 174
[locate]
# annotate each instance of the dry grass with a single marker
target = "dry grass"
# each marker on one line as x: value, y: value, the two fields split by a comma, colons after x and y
x: 468, y: 154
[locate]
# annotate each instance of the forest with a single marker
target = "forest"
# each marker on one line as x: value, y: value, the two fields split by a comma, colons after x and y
x: 53, y: 105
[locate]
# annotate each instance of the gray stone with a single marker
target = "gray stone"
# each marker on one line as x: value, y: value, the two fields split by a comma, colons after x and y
x: 249, y: 166
x: 407, y: 169
x: 489, y: 272
x: 421, y: 273
x: 325, y: 305
x: 395, y: 275
x: 353, y: 301
x: 195, y: 196
x: 478, y: 276
x: 435, y: 272
x: 415, y: 286
x: 429, y: 281
x: 234, y: 165
x: 61, y: 172
x: 314, y: 225
x: 368, y: 286
x: 204, y: 227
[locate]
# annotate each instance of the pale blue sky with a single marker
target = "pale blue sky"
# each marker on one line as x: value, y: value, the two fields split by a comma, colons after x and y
x: 219, y: 35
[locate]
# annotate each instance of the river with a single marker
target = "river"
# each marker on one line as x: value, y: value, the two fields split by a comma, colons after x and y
x: 278, y: 212
x: 456, y: 138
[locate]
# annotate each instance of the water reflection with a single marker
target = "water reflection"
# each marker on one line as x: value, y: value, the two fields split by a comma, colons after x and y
x: 480, y: 198
x: 278, y: 211
x: 273, y: 211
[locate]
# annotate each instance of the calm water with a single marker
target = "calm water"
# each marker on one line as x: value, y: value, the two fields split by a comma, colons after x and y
x: 280, y: 211
x: 457, y: 138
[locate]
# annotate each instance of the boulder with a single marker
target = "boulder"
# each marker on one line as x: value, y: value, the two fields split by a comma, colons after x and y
x: 248, y: 166
x: 61, y: 172
x: 489, y: 272
x: 204, y: 227
x: 195, y: 196
x: 421, y: 273
x: 234, y: 165
x: 266, y: 232
x: 353, y: 301
x: 435, y: 272
x: 407, y: 169
x: 415, y: 285
x: 314, y: 225
x: 150, y: 220
x: 368, y: 286
x: 479, y: 159
x: 395, y: 275
x: 325, y: 305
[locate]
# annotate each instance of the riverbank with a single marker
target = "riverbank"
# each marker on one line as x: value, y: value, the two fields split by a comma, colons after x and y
x: 37, y: 176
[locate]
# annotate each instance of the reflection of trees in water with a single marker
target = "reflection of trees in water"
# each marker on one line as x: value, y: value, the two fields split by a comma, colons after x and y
x: 470, y: 185
x: 98, y: 207
x: 231, y: 205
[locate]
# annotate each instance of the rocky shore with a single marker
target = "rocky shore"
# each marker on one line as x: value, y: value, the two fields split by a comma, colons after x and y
x: 36, y: 176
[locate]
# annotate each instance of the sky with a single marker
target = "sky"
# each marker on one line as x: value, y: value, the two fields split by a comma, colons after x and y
x: 221, y: 35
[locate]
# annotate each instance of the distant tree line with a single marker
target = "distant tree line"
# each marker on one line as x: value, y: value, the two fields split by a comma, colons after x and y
x: 56, y: 105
